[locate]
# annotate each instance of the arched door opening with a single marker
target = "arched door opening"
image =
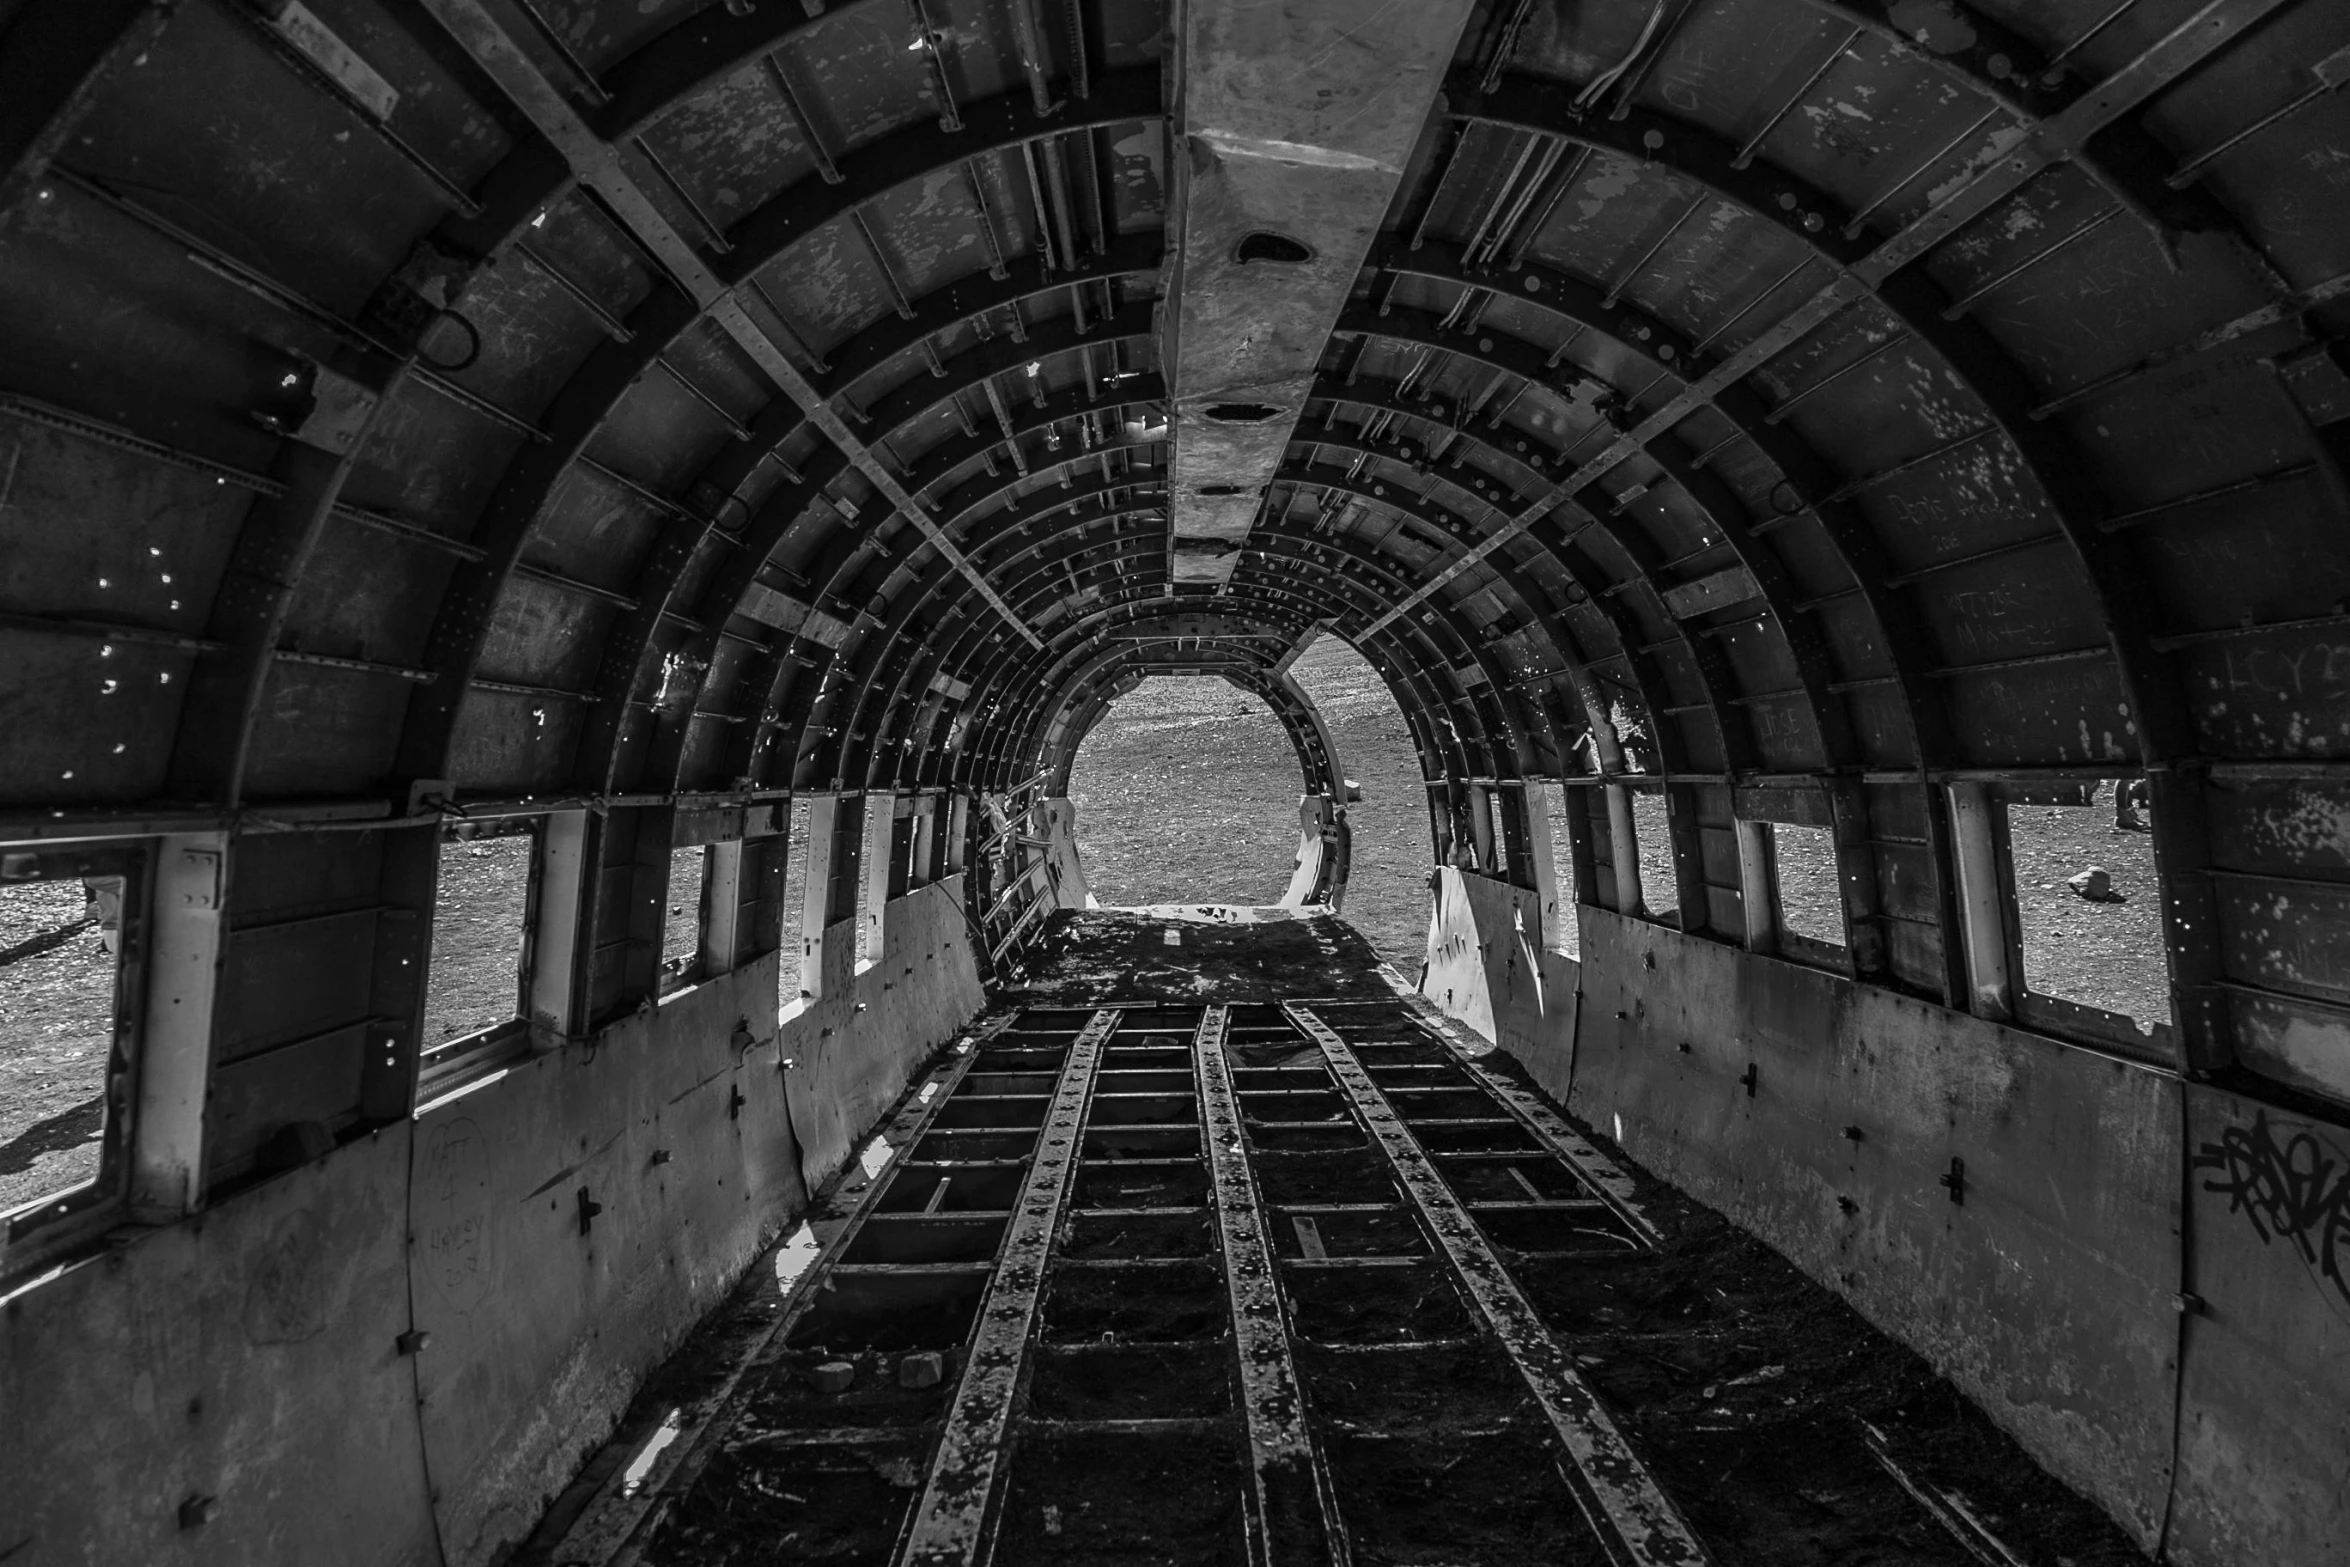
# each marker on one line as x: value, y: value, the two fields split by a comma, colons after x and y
x: 1186, y: 792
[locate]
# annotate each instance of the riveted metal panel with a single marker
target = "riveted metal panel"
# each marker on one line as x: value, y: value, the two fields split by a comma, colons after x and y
x: 514, y: 741
x: 543, y: 635
x: 324, y: 730
x: 71, y: 738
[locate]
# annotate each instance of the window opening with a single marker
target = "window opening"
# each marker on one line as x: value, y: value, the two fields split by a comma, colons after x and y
x: 1388, y: 852
x: 1808, y: 887
x: 873, y: 841
x: 1660, y: 887
x: 905, y: 839
x: 1561, y: 930
x: 681, y: 933
x: 480, y: 930
x: 62, y: 1056
x: 795, y: 899
x: 2088, y: 907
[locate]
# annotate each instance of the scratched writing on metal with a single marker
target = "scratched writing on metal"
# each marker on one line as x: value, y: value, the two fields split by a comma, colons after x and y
x: 452, y: 1217
x: 1773, y: 721
x: 1991, y: 622
x: 2287, y: 672
x: 2296, y: 1191
x: 1954, y: 515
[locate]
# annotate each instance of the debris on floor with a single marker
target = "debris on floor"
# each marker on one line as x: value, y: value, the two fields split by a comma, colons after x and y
x: 1401, y: 1203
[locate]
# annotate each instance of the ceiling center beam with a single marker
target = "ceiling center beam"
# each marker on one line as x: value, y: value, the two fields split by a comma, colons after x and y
x: 1293, y: 122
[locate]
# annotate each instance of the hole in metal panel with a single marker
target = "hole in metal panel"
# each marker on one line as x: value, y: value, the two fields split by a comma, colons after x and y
x: 1265, y: 245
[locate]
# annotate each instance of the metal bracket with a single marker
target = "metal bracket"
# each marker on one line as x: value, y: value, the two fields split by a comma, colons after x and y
x: 335, y: 409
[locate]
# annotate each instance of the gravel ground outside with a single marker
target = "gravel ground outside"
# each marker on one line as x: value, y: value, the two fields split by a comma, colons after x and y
x: 2106, y: 955
x: 1811, y: 898
x: 477, y: 936
x: 681, y: 932
x: 795, y: 893
x: 1660, y: 889
x: 1564, y: 935
x: 56, y: 1022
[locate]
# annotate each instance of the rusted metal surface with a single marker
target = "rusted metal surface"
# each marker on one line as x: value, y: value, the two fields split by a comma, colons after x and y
x: 1634, y: 1518
x: 1295, y: 1517
x: 950, y: 1521
x: 2002, y: 354
x: 1608, y: 1183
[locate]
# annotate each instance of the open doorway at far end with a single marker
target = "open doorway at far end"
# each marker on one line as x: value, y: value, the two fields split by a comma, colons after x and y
x: 1187, y: 790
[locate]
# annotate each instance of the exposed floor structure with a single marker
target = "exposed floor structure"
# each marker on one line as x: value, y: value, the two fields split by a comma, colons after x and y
x: 1290, y: 1271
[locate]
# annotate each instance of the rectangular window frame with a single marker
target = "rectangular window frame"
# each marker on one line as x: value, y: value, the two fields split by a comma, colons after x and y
x: 1559, y: 861
x: 727, y: 917
x: 2074, y: 1022
x: 697, y: 968
x: 448, y: 1066
x: 1757, y: 810
x: 1758, y: 813
x: 1677, y: 823
x: 870, y: 888
x: 1792, y: 944
x: 797, y: 816
x: 55, y: 1222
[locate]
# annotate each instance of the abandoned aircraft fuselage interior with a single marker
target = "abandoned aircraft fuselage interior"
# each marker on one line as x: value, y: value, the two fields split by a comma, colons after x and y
x: 568, y: 571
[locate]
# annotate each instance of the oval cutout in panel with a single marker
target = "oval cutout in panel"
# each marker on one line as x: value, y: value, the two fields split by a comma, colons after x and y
x: 1265, y: 245
x: 1239, y: 413
x: 1217, y: 489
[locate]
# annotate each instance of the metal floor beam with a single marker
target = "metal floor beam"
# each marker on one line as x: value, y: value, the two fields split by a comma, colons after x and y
x: 949, y: 1524
x: 1635, y: 1520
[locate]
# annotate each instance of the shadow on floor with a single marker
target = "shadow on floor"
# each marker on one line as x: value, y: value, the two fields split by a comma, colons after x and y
x: 66, y: 1129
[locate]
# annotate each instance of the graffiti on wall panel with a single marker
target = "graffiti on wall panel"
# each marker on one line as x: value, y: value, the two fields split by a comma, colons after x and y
x: 2296, y: 1191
